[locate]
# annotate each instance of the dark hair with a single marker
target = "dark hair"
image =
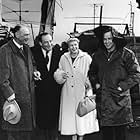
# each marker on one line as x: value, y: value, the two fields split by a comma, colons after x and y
x: 15, y: 29
x: 40, y: 36
x: 108, y: 29
x: 118, y: 38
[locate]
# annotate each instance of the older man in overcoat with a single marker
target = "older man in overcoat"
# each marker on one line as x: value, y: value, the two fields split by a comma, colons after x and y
x: 17, y: 74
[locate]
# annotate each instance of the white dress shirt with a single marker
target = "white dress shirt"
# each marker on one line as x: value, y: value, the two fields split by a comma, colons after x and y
x: 49, y: 55
x: 18, y: 45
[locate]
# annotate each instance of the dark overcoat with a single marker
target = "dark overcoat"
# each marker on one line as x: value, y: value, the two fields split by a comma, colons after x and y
x: 121, y: 69
x: 16, y: 76
x: 47, y: 90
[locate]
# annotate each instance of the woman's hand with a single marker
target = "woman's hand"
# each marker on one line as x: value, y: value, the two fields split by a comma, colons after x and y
x: 65, y: 75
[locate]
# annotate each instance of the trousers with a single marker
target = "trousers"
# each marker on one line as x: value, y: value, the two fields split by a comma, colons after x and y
x: 114, y: 132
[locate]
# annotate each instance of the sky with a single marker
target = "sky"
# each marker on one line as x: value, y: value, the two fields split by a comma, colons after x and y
x: 68, y: 12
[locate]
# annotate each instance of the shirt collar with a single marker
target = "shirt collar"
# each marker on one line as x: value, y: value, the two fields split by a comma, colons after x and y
x: 17, y: 44
x: 44, y: 51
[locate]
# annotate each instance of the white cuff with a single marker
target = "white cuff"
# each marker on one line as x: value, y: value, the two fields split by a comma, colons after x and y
x: 12, y: 97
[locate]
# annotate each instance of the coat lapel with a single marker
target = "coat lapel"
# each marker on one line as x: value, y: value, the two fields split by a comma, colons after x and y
x: 27, y: 59
x: 16, y: 50
x: 67, y: 55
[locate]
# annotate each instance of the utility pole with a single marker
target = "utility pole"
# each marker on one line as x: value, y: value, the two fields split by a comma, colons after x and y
x: 94, y: 15
x: 131, y: 24
x: 101, y: 9
x: 20, y: 11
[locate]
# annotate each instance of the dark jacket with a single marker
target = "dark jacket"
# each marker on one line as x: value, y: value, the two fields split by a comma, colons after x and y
x: 16, y: 76
x: 47, y: 90
x: 120, y: 70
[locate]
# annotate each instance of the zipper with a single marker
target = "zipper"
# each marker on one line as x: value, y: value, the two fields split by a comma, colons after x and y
x: 110, y: 56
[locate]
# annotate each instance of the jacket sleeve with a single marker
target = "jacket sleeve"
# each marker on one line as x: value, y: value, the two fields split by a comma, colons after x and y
x: 132, y: 68
x: 5, y: 87
x: 93, y: 73
x: 33, y: 59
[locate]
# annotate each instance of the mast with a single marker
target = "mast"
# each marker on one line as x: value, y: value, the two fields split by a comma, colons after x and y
x: 0, y: 11
x: 47, y: 16
x: 131, y: 25
x: 94, y: 17
x: 20, y: 11
x: 101, y: 9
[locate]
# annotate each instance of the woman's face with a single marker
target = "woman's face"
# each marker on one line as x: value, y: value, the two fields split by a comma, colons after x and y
x: 108, y: 40
x: 73, y: 47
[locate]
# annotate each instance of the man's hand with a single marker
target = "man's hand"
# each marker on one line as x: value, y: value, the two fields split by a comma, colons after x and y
x: 37, y: 75
x: 97, y: 86
x: 119, y: 88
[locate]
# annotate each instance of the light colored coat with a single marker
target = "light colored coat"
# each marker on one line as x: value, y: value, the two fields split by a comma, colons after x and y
x: 72, y: 92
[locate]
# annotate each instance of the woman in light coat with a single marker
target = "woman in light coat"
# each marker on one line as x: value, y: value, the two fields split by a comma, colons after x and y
x: 72, y: 73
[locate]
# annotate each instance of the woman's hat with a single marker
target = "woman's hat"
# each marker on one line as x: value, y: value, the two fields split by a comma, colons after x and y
x: 11, y: 112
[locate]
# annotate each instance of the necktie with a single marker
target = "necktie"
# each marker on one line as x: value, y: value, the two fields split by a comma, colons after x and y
x: 22, y: 51
x: 47, y: 57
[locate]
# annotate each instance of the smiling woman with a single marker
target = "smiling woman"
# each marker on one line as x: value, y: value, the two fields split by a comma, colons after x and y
x: 73, y: 68
x: 73, y: 48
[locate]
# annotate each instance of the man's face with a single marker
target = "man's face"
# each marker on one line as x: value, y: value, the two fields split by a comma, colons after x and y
x: 23, y: 35
x: 108, y: 40
x: 73, y: 47
x: 47, y: 42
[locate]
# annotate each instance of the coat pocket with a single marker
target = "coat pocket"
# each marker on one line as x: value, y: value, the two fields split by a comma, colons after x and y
x: 119, y: 97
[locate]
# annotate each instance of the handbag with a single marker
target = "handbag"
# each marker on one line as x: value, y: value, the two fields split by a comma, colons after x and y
x: 86, y: 105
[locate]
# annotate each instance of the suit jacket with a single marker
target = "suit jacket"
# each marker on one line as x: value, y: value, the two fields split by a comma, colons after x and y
x: 16, y: 76
x: 47, y: 90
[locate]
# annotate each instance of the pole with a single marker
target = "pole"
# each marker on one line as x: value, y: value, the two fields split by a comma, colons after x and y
x: 94, y: 15
x: 32, y: 33
x: 101, y: 9
x: 0, y: 11
x: 20, y: 11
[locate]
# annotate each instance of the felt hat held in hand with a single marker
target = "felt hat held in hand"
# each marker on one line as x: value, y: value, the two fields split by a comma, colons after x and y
x: 11, y: 112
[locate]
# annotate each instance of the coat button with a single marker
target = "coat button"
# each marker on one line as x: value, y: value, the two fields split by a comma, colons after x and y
x: 72, y: 86
x: 73, y: 66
